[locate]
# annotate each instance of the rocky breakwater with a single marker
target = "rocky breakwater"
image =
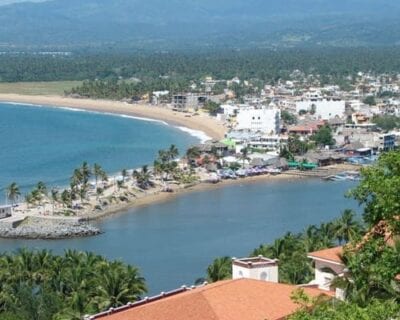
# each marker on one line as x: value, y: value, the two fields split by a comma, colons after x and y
x: 47, y: 228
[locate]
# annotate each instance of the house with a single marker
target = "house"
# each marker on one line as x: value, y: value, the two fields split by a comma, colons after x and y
x: 238, y: 299
x: 328, y: 266
x: 253, y: 293
x: 5, y: 211
x: 186, y: 101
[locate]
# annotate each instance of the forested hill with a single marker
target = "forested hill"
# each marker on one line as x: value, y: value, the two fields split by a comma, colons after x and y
x: 168, y: 24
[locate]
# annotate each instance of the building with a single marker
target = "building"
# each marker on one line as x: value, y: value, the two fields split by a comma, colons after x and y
x: 324, y: 109
x: 258, y: 268
x: 187, y: 101
x: 238, y: 299
x: 5, y: 211
x: 328, y: 266
x: 262, y: 119
x: 387, y: 142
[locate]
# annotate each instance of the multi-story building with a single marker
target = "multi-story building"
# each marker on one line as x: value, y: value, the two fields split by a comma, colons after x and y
x: 261, y: 119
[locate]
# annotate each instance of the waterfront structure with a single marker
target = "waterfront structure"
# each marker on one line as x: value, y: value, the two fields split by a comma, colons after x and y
x: 238, y: 299
x: 5, y: 211
x: 185, y: 101
x: 262, y: 119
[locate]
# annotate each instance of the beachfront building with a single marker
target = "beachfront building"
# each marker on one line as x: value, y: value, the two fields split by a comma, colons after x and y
x: 259, y: 119
x: 188, y: 101
x: 322, y: 108
x: 5, y: 211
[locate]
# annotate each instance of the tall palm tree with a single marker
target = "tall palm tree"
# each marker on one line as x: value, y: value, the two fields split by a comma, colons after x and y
x: 124, y: 174
x: 346, y: 227
x: 54, y: 197
x: 244, y: 155
x: 143, y: 178
x: 173, y: 152
x: 98, y: 172
x: 42, y: 188
x: 13, y: 193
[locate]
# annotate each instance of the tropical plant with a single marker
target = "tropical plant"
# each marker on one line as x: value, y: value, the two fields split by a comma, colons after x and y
x: 13, y: 193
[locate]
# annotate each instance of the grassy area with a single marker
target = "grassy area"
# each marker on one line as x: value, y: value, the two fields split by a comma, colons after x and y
x: 38, y: 88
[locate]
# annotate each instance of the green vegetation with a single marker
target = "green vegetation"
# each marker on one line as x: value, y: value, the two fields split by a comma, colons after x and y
x: 288, y: 117
x: 291, y: 249
x: 38, y: 285
x: 386, y: 122
x: 38, y: 88
x: 370, y: 100
x: 323, y: 137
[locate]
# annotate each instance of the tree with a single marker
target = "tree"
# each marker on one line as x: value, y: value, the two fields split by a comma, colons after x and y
x: 288, y: 117
x: 370, y: 100
x: 220, y: 269
x: 54, y: 197
x: 212, y: 107
x: 143, y: 177
x: 379, y: 190
x: 346, y: 228
x: 323, y: 136
x: 13, y: 193
x: 98, y: 172
x: 244, y: 155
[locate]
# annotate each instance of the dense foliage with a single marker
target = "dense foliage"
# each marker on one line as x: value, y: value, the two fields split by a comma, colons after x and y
x: 332, y: 64
x: 386, y: 122
x: 291, y: 250
x: 38, y: 285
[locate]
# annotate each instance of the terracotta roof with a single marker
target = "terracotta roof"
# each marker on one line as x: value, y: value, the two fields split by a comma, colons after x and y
x: 241, y: 299
x: 332, y: 254
x: 397, y: 278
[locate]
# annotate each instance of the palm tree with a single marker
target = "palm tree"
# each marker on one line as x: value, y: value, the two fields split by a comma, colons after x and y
x: 85, y: 172
x: 346, y: 227
x: 143, y: 177
x: 220, y: 269
x: 124, y: 174
x: 66, y: 198
x: 98, y: 172
x: 42, y: 188
x: 13, y: 193
x: 54, y: 197
x: 173, y: 152
x: 244, y: 155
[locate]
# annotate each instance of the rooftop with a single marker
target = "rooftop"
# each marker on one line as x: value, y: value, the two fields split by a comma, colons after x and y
x: 241, y: 299
x: 254, y: 262
x: 332, y: 255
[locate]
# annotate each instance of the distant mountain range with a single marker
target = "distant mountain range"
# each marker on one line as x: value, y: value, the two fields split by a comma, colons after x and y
x: 199, y: 23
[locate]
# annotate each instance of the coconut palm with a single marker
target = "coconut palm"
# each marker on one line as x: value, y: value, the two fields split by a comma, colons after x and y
x: 143, y: 178
x: 13, y: 193
x: 173, y: 152
x: 98, y: 172
x: 124, y: 174
x: 54, y: 197
x: 346, y: 227
x: 220, y: 269
x: 66, y: 198
x: 244, y: 155
x: 42, y: 188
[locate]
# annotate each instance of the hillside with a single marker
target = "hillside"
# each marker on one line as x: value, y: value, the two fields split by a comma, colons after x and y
x: 234, y: 23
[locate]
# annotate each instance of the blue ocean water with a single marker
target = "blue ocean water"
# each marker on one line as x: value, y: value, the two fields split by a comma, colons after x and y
x: 46, y: 144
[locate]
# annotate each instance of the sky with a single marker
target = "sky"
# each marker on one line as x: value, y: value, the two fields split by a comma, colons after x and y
x: 4, y: 2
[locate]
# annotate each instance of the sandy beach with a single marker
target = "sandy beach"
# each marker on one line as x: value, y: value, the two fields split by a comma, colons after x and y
x: 202, y: 122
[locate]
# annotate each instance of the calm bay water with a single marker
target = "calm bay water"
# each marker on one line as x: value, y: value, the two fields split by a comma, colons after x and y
x: 45, y: 144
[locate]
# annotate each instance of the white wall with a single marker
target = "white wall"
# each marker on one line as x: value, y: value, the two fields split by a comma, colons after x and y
x: 269, y: 273
x: 264, y: 120
x: 324, y: 279
x: 325, y: 109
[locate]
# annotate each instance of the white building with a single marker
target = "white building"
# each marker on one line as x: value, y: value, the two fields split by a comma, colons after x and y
x: 328, y: 266
x: 325, y: 109
x: 257, y: 268
x: 5, y: 211
x: 263, y: 119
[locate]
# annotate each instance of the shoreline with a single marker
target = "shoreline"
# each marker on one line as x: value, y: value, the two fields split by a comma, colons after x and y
x: 202, y: 122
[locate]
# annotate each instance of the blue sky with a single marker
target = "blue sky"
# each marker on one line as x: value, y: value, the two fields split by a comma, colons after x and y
x: 3, y: 2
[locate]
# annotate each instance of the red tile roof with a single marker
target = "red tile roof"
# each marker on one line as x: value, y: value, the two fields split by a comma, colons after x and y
x: 332, y: 254
x: 241, y: 299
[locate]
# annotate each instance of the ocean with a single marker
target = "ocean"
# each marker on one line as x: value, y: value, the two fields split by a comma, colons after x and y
x: 47, y: 144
